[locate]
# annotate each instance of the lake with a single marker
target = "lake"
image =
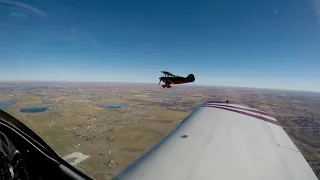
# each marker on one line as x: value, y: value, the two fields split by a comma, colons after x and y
x: 33, y: 109
x: 111, y: 106
x: 4, y: 105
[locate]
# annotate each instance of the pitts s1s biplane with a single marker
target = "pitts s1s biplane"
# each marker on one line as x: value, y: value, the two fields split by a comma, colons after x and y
x: 169, y: 78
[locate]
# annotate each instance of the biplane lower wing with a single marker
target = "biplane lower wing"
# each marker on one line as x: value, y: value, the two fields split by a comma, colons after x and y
x: 225, y: 142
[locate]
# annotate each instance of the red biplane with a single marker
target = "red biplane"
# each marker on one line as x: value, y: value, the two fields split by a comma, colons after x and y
x: 169, y: 78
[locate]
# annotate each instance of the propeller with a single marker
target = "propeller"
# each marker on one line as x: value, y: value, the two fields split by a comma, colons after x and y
x: 159, y: 81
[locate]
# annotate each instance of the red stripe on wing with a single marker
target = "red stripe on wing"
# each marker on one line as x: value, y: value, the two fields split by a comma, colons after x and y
x: 245, y: 109
x: 248, y: 114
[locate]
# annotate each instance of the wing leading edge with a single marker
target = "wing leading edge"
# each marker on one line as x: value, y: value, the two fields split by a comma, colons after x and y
x: 223, y: 141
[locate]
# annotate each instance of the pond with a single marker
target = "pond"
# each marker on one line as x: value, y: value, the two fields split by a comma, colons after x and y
x: 4, y: 105
x: 111, y: 106
x: 47, y: 102
x: 33, y: 109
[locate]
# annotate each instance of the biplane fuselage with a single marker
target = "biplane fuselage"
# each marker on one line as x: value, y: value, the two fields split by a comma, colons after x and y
x: 169, y: 79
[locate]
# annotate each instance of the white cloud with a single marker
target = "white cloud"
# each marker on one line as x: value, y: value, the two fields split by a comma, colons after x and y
x: 16, y: 15
x: 77, y: 32
x: 25, y: 6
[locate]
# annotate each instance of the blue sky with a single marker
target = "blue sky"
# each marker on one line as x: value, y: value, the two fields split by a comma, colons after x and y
x: 273, y: 44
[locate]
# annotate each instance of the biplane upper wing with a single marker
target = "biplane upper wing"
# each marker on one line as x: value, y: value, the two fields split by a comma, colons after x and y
x: 224, y: 142
x: 167, y: 73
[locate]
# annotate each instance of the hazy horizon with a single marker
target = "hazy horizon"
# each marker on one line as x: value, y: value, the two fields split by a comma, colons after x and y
x: 152, y: 83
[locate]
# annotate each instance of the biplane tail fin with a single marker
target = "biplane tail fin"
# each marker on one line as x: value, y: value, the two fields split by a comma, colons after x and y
x: 191, y: 78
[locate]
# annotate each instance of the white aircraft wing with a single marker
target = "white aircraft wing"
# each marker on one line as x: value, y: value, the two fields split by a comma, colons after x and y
x: 221, y: 141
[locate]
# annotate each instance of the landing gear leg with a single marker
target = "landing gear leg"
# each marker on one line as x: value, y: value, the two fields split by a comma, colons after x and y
x: 166, y: 86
